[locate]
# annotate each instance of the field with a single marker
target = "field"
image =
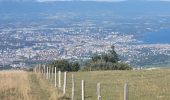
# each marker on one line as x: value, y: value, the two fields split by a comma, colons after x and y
x: 143, y: 85
x: 20, y: 85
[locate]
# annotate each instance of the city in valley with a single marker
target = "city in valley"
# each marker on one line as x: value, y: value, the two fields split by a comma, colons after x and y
x: 31, y: 38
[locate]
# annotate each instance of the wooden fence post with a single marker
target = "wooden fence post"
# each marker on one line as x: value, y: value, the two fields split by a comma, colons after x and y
x: 126, y: 91
x: 44, y: 70
x: 98, y: 91
x: 72, y: 95
x: 65, y: 82
x: 35, y: 69
x: 39, y: 69
x: 47, y: 73
x: 82, y: 90
x: 59, y: 79
x: 55, y: 77
x: 52, y: 73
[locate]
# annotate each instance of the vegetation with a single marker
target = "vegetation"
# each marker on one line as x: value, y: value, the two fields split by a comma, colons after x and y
x: 5, y: 67
x: 21, y: 85
x: 65, y: 65
x: 143, y: 85
x: 106, y: 61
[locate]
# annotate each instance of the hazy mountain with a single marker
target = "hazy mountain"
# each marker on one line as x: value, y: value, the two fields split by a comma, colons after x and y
x: 18, y: 0
x: 75, y: 0
x: 116, y: 7
x: 94, y: 9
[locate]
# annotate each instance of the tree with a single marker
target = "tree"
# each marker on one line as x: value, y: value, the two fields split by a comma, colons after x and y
x: 65, y: 65
x: 62, y: 65
x: 113, y: 56
x: 75, y: 66
x: 106, y: 61
x: 95, y: 57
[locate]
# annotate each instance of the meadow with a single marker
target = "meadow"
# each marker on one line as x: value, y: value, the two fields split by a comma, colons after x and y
x: 21, y: 85
x: 143, y: 85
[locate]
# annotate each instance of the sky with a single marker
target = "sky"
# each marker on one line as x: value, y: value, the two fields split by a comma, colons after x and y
x: 82, y: 0
x: 101, y: 0
x: 85, y: 0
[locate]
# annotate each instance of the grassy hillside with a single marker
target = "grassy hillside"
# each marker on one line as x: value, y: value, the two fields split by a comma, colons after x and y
x: 143, y: 85
x: 20, y: 85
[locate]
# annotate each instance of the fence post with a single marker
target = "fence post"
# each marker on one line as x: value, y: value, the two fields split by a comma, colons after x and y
x: 65, y: 82
x: 72, y: 95
x: 98, y: 91
x: 38, y: 68
x: 55, y: 77
x: 35, y: 69
x: 44, y: 70
x: 47, y: 73
x: 52, y: 72
x: 82, y: 90
x: 126, y: 91
x: 59, y: 79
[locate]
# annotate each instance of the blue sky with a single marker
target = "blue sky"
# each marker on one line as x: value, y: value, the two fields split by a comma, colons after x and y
x: 86, y: 0
x: 101, y: 0
x: 81, y: 0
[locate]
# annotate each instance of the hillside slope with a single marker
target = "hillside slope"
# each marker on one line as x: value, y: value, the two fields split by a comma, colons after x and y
x: 20, y: 85
x: 143, y: 85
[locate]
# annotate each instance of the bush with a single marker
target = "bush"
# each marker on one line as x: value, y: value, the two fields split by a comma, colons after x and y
x: 65, y: 65
x: 106, y: 61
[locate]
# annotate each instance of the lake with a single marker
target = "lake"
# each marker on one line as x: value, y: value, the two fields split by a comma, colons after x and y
x: 159, y: 37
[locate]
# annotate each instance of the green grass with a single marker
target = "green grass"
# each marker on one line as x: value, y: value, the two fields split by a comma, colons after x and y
x: 143, y: 85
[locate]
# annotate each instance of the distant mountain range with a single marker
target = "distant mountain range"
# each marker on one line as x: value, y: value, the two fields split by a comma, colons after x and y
x: 130, y: 7
x: 18, y: 0
x: 75, y: 0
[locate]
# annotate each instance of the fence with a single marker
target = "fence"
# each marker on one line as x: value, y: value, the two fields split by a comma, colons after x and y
x: 51, y: 74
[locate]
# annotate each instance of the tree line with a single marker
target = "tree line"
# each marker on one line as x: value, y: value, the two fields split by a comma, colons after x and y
x: 104, y: 61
